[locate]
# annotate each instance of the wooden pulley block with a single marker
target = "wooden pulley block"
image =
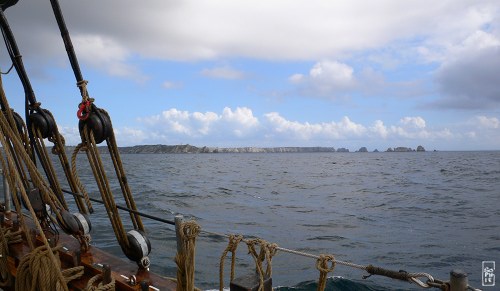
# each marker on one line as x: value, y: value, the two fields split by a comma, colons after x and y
x: 99, y: 122
x: 44, y: 122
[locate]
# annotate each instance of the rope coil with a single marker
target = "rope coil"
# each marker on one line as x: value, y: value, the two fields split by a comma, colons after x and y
x: 37, y: 271
x: 95, y: 284
x: 185, y: 257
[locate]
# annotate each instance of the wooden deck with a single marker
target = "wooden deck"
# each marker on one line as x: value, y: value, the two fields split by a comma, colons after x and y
x: 93, y: 262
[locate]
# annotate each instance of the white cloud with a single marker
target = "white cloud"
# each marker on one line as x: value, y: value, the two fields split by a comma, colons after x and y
x: 130, y: 136
x: 326, y: 79
x: 225, y: 72
x: 71, y: 134
x: 337, y: 80
x: 106, y: 54
x: 379, y: 129
x: 240, y: 127
x: 487, y: 122
x: 193, y: 30
x: 414, y: 122
x: 171, y: 85
x: 237, y: 123
x: 306, y: 131
x: 333, y: 72
x: 296, y: 78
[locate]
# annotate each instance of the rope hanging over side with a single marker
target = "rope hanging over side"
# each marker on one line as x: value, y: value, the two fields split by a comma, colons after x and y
x: 324, y: 268
x: 232, y: 245
x: 185, y: 257
x: 267, y: 251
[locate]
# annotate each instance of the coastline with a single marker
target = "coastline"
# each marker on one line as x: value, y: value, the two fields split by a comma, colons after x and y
x: 190, y: 149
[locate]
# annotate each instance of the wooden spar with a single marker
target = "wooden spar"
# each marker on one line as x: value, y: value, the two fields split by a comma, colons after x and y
x: 93, y: 261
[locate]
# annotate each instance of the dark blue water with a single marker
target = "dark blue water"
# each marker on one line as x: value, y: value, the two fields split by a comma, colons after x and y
x: 421, y: 212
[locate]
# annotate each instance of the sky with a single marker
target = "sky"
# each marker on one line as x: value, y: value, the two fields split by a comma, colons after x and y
x: 275, y: 73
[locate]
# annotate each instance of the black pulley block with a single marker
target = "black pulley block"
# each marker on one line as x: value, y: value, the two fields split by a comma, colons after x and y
x: 44, y: 122
x: 19, y: 121
x: 35, y: 200
x: 139, y: 245
x: 69, y: 223
x: 100, y: 123
x: 75, y: 224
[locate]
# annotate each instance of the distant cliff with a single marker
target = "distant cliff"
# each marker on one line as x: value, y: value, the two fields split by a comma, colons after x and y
x: 190, y: 149
x: 174, y: 149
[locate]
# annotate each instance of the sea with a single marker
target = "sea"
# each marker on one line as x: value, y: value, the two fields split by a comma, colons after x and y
x: 430, y: 212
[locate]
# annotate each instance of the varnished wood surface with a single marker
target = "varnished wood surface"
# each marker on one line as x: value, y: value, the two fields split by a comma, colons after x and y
x: 92, y: 260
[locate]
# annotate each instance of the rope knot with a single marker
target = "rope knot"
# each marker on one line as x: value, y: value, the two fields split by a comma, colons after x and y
x: 35, y: 106
x: 322, y: 263
x: 82, y: 83
x: 190, y: 230
x: 185, y: 257
x: 324, y: 268
x: 234, y: 240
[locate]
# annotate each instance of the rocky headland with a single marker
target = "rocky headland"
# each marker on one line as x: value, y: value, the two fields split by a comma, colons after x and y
x: 190, y: 149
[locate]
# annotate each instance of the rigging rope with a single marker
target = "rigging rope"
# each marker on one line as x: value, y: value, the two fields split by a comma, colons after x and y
x: 17, y: 124
x: 95, y: 127
x: 104, y: 188
x: 31, y: 262
x: 40, y: 120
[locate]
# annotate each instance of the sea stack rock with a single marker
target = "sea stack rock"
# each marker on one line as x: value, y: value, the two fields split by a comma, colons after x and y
x: 420, y: 149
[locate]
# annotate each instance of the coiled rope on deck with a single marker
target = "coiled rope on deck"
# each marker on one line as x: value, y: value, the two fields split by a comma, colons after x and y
x: 7, y: 236
x: 36, y: 271
x: 95, y: 284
